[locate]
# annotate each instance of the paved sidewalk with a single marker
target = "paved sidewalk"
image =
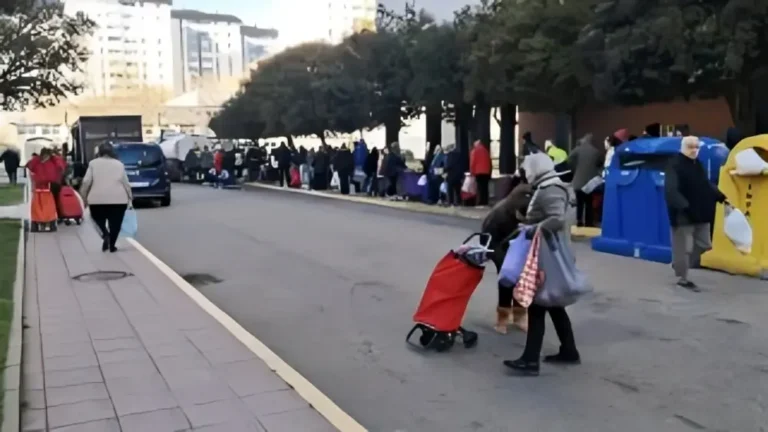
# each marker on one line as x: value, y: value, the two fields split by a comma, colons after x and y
x: 414, y: 206
x: 136, y: 354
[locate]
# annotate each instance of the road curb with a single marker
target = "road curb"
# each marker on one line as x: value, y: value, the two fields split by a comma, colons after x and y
x: 318, y: 400
x: 12, y: 372
x: 580, y: 232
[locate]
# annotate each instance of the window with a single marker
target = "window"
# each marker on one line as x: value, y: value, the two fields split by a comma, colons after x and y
x: 140, y: 155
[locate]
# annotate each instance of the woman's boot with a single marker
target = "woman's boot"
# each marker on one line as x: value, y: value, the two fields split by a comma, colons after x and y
x: 502, y: 319
x: 520, y: 318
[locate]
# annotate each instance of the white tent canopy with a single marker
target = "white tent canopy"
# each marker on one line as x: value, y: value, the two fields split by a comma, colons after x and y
x: 177, y: 146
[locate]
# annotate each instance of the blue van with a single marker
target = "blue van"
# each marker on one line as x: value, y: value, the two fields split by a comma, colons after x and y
x: 145, y: 166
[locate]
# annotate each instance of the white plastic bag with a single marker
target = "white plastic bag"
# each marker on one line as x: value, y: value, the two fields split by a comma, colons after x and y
x: 422, y: 180
x: 738, y: 230
x: 335, y: 182
x: 469, y: 186
x: 593, y: 183
x: 444, y: 188
x: 748, y: 162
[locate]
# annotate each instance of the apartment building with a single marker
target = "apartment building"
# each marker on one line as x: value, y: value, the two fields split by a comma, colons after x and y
x: 206, y: 47
x: 346, y: 17
x: 130, y: 48
x: 257, y: 44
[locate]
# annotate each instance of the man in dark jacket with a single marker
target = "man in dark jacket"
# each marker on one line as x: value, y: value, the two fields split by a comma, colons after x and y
x: 586, y: 162
x: 344, y: 164
x: 192, y: 165
x: 690, y: 197
x: 284, y: 164
x: 11, y: 160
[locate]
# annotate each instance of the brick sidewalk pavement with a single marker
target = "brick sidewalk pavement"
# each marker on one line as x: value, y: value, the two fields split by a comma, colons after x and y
x: 136, y: 354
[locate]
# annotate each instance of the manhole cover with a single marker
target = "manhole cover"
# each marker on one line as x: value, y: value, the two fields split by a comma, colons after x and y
x: 101, y: 276
x: 200, y: 279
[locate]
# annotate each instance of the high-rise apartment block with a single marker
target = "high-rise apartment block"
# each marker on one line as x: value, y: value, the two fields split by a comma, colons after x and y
x: 146, y: 44
x: 346, y: 17
x: 130, y: 47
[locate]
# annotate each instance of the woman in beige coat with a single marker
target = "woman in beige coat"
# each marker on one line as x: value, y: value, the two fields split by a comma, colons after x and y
x: 107, y: 192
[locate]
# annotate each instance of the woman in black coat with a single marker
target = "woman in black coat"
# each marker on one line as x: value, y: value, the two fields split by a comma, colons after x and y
x: 370, y: 168
x: 454, y: 174
x: 344, y: 164
x: 321, y: 164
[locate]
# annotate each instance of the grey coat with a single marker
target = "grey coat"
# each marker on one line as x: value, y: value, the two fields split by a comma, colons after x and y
x: 586, y: 161
x: 549, y: 207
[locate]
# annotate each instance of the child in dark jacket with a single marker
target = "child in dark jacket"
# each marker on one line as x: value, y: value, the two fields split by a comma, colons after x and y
x: 501, y: 222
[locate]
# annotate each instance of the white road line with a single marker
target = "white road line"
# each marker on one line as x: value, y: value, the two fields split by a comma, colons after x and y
x: 322, y: 403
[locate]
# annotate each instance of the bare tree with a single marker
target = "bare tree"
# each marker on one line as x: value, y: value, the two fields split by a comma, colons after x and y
x: 42, y: 50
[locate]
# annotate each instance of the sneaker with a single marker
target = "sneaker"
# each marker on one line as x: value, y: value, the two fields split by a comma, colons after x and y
x: 688, y: 285
x: 522, y: 367
x: 566, y: 360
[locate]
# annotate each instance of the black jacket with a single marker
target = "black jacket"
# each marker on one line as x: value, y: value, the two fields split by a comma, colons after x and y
x: 454, y: 168
x: 283, y: 157
x: 732, y: 137
x: 344, y: 162
x: 371, y: 163
x: 11, y: 160
x: 321, y: 162
x: 690, y: 196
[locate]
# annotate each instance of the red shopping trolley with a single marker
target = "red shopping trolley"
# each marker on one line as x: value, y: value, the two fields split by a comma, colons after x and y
x: 447, y: 294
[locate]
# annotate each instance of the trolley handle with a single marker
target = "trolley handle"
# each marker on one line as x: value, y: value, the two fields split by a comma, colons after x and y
x: 487, y: 237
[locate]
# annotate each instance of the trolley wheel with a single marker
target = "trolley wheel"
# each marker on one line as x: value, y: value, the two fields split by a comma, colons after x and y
x: 67, y: 222
x: 34, y: 227
x: 443, y: 341
x: 52, y: 227
x: 78, y: 221
x: 426, y: 337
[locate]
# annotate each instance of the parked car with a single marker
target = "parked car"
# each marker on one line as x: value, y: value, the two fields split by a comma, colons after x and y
x: 145, y: 165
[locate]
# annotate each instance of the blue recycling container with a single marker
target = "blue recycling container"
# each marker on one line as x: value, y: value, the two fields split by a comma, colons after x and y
x: 635, y: 218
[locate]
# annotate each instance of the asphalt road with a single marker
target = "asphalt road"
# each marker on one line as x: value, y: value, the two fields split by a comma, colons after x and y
x: 331, y: 287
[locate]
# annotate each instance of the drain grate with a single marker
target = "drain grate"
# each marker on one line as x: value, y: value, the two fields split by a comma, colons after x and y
x: 101, y: 276
x: 200, y: 279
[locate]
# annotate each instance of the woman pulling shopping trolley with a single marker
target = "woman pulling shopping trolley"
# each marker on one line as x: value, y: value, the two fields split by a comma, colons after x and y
x: 540, y: 268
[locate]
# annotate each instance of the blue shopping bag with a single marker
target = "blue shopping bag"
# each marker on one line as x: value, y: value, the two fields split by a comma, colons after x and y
x: 514, y: 260
x: 130, y: 224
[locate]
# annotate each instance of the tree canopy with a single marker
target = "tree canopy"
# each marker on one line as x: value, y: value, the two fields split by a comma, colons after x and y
x: 41, y: 53
x: 539, y: 55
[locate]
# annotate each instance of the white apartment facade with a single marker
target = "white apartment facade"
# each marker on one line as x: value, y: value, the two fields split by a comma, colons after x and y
x: 206, y: 47
x: 258, y: 43
x: 130, y: 48
x: 346, y: 17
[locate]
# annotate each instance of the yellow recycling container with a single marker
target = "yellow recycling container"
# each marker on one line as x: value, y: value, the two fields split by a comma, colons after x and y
x: 750, y: 195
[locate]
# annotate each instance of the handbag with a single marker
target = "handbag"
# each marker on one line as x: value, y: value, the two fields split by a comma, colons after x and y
x: 514, y: 260
x: 563, y: 284
x: 530, y: 278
